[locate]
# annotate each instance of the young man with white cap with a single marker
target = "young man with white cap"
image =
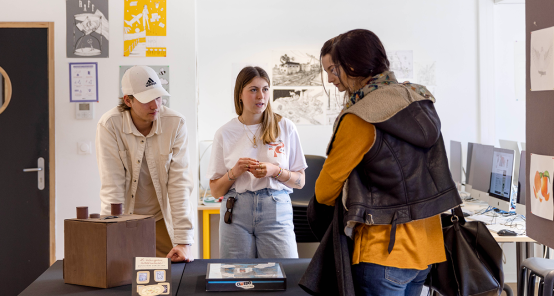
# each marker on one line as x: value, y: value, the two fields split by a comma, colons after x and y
x: 141, y: 149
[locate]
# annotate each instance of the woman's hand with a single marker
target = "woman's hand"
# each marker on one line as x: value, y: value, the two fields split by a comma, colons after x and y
x: 264, y: 169
x: 243, y: 165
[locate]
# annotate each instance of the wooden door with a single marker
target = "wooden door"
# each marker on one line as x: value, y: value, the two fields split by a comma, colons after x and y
x: 26, y: 134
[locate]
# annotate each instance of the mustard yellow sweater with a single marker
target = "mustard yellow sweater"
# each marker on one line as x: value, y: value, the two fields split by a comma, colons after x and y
x: 418, y: 243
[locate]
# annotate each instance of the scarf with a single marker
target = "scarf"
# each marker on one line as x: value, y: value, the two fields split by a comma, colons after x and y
x: 374, y: 83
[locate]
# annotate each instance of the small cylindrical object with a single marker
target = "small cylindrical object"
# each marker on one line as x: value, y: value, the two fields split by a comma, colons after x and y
x: 82, y: 212
x: 94, y: 216
x: 117, y: 209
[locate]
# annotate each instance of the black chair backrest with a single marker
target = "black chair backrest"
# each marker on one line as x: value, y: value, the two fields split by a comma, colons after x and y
x: 300, y: 199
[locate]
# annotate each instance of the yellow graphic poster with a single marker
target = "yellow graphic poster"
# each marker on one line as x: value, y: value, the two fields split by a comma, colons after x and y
x: 144, y: 29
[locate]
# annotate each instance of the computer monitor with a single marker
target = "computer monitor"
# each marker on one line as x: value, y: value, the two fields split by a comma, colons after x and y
x: 502, y: 173
x: 468, y: 182
x: 480, y: 171
x: 456, y: 162
x: 512, y: 145
x: 521, y: 188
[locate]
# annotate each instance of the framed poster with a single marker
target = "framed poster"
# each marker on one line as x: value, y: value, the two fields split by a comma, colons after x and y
x: 83, y: 82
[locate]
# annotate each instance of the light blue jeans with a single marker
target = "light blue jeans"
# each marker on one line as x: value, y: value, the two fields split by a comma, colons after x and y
x: 261, y: 227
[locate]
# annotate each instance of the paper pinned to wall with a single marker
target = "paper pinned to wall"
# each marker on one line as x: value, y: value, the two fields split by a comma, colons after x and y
x: 142, y: 37
x: 540, y: 180
x: 542, y: 59
x: 401, y: 63
x: 304, y: 106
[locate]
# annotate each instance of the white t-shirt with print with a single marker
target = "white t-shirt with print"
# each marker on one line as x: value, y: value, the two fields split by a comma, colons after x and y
x: 232, y: 141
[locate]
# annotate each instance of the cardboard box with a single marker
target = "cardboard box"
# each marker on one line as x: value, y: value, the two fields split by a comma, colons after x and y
x: 100, y: 253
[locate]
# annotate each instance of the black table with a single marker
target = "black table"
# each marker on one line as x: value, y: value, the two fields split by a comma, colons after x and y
x: 51, y: 283
x: 186, y: 279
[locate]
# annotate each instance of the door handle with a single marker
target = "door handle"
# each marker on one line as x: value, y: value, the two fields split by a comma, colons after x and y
x: 40, y: 170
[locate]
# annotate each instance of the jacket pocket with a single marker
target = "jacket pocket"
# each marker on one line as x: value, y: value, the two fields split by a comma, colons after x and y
x: 123, y: 156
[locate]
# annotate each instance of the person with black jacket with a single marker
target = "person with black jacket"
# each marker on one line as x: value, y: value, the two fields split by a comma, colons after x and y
x: 387, y: 166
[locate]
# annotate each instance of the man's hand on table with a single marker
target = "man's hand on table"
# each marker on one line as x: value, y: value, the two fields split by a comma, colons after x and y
x: 181, y: 253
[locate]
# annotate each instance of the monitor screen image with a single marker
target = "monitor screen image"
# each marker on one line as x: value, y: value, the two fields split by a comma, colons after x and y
x: 502, y: 171
x: 456, y: 161
x: 521, y: 193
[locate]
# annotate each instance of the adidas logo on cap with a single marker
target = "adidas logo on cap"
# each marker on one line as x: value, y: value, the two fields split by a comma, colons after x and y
x: 150, y: 82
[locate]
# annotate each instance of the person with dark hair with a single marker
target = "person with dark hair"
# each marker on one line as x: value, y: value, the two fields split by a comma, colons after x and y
x: 387, y: 159
x: 256, y: 161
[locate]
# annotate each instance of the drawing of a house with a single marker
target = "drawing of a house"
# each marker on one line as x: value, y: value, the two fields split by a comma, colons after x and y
x: 290, y: 68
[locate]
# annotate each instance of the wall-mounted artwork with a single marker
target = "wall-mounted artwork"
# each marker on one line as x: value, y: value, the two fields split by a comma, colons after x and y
x: 144, y: 28
x: 302, y: 106
x: 87, y: 29
x: 426, y: 74
x: 163, y: 74
x: 542, y: 59
x: 402, y: 63
x: 540, y: 179
x: 296, y: 68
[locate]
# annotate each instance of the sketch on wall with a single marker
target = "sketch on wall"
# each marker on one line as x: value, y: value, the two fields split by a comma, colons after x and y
x: 401, y: 62
x: 542, y: 59
x: 302, y: 106
x: 296, y: 68
x: 426, y: 74
x: 87, y: 29
x: 144, y: 28
x: 334, y: 103
x: 163, y: 74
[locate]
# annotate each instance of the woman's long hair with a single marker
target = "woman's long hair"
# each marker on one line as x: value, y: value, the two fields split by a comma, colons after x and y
x: 359, y: 53
x: 270, y: 120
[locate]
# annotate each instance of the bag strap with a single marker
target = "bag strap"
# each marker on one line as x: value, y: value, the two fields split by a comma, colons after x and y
x: 457, y: 211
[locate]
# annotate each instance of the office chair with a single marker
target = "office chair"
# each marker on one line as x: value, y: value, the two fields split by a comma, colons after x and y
x: 301, y: 197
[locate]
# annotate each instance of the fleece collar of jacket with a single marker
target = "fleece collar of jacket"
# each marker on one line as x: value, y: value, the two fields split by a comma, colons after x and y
x: 380, y: 99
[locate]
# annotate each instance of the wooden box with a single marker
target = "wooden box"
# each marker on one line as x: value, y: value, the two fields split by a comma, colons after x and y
x: 100, y: 253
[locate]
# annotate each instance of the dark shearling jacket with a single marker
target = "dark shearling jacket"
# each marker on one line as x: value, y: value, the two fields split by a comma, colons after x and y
x: 403, y: 177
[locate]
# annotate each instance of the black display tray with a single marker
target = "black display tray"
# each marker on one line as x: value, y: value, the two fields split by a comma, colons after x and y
x: 245, y: 276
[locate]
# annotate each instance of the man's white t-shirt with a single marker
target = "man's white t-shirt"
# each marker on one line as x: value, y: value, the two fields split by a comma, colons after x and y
x: 233, y: 141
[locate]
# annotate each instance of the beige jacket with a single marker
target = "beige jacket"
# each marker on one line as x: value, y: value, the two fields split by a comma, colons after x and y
x: 119, y: 151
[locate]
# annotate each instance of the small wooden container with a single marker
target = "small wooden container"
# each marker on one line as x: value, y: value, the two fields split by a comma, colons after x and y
x: 100, y: 253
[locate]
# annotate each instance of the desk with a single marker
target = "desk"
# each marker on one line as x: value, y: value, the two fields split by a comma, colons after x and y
x: 194, y: 277
x: 207, y: 210
x: 186, y: 279
x: 51, y: 283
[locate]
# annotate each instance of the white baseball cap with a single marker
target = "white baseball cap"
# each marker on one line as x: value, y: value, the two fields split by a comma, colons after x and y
x: 143, y: 83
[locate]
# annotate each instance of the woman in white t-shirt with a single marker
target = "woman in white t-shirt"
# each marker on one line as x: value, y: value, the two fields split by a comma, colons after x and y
x: 256, y: 161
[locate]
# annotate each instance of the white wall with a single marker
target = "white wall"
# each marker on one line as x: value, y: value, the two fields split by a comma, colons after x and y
x: 77, y: 179
x: 509, y: 91
x: 247, y: 31
x: 509, y: 84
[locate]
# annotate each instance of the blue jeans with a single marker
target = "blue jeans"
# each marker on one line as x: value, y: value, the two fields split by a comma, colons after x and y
x: 377, y: 280
x: 261, y: 226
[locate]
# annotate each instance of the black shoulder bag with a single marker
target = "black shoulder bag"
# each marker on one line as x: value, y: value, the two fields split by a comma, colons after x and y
x: 473, y: 263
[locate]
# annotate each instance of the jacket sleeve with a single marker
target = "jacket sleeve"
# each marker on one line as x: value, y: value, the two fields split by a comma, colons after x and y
x: 110, y: 167
x: 179, y: 187
x: 353, y: 139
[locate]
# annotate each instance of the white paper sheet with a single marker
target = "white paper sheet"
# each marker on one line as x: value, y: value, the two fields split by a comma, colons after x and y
x: 542, y: 59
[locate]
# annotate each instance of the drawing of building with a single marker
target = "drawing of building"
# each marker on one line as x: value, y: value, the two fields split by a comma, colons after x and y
x: 290, y: 68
